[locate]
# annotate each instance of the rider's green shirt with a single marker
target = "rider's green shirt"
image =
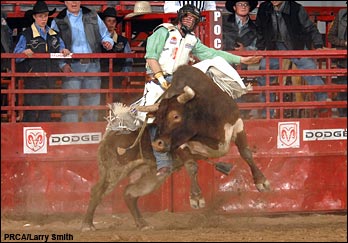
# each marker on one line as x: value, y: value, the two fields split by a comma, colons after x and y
x: 156, y: 42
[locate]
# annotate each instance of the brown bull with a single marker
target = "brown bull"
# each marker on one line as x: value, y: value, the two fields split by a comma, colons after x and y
x: 116, y: 162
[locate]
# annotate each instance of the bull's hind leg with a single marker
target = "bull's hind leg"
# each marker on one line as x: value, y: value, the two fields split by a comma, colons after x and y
x: 97, y: 194
x: 261, y: 183
x: 106, y: 184
x: 140, y: 186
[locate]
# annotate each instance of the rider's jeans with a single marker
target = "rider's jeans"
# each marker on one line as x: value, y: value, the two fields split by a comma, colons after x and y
x: 162, y: 159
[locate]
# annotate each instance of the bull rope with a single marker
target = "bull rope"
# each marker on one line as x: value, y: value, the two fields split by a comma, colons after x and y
x: 122, y: 118
x: 140, y: 134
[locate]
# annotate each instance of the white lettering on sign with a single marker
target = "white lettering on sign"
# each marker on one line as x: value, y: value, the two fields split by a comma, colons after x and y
x: 217, y: 43
x: 217, y: 30
x: 217, y: 15
x: 325, y: 134
x: 74, y: 138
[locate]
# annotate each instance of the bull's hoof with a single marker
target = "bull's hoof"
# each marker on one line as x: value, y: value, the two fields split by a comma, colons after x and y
x: 143, y: 225
x: 197, y: 202
x: 263, y: 187
x: 88, y: 227
x: 147, y: 227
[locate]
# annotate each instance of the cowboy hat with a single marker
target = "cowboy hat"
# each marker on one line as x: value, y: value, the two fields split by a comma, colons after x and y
x: 140, y: 8
x: 41, y: 7
x: 110, y: 12
x: 230, y: 4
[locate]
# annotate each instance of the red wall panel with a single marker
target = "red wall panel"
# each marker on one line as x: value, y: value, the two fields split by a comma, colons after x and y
x: 312, y: 177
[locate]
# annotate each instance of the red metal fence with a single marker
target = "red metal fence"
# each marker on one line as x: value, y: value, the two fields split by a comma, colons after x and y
x: 307, y: 170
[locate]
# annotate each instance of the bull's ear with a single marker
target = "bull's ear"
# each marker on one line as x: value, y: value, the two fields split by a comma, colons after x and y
x: 186, y: 96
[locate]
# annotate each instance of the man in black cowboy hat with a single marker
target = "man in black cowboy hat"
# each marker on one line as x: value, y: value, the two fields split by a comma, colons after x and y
x: 121, y: 45
x: 239, y: 33
x: 39, y: 38
x: 239, y: 30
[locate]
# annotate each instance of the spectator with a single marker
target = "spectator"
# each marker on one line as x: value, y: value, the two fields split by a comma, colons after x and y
x: 6, y: 47
x: 239, y: 34
x: 140, y: 8
x: 6, y: 42
x: 170, y: 46
x: 39, y: 38
x: 239, y: 30
x: 285, y: 25
x: 174, y: 6
x: 83, y: 31
x: 121, y: 45
x: 338, y: 38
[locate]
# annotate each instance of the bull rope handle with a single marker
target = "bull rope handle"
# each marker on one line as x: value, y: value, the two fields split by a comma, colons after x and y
x: 139, y: 135
x: 143, y: 129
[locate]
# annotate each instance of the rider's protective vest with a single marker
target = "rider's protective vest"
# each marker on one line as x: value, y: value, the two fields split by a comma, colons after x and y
x: 177, y: 48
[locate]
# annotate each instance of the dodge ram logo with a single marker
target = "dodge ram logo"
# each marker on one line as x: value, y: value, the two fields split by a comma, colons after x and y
x: 35, y: 139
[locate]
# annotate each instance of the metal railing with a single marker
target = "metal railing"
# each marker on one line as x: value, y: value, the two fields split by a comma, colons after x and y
x: 12, y: 91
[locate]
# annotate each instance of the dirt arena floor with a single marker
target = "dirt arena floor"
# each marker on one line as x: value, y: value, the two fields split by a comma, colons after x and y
x: 180, y: 227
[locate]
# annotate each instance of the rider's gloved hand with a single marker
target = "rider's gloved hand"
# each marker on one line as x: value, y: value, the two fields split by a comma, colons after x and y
x: 163, y: 82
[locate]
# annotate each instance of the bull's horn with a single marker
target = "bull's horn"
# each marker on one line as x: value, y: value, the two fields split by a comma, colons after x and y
x: 148, y: 108
x: 186, y: 96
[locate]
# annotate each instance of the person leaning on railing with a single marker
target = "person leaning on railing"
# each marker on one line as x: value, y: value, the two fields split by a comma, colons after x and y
x: 239, y: 34
x: 6, y: 47
x: 121, y: 45
x: 39, y: 38
x: 285, y: 25
x: 83, y: 31
x: 6, y: 42
x: 337, y: 36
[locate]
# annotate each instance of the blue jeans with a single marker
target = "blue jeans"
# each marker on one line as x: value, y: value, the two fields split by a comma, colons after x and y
x: 162, y: 159
x: 302, y: 64
x: 81, y: 99
x: 341, y: 95
x: 38, y: 99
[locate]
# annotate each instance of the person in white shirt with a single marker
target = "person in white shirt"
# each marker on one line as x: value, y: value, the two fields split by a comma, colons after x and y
x: 174, y: 6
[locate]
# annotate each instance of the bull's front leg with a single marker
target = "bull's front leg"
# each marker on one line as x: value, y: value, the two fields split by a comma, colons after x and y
x: 261, y: 182
x: 196, y: 198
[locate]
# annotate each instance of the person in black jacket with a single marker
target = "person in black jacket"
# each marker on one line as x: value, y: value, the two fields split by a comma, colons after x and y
x: 239, y: 34
x: 337, y: 36
x: 121, y: 45
x: 6, y: 42
x: 6, y: 47
x: 239, y: 30
x: 39, y: 38
x: 285, y: 25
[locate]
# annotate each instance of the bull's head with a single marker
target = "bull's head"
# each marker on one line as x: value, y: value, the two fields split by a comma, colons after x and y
x: 171, y: 120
